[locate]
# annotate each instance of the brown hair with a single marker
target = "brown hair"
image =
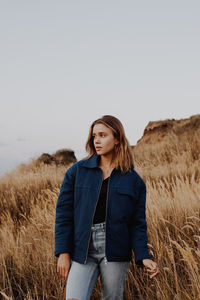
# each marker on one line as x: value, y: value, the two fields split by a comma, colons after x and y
x: 122, y: 152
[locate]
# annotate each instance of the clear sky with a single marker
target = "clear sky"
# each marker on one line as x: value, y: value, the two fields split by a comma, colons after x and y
x: 64, y: 64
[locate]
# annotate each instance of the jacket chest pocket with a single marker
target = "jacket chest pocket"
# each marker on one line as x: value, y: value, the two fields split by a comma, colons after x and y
x: 127, y: 194
x: 123, y: 204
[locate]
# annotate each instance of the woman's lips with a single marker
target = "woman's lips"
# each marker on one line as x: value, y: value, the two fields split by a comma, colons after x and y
x: 98, y: 148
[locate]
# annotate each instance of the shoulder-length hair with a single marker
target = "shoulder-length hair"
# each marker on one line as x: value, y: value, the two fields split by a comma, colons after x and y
x: 122, y: 157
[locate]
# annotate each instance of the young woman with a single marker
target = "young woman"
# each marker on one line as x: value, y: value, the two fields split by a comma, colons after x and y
x: 100, y: 216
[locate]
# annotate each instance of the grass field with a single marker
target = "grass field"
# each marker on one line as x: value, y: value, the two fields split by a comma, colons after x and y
x: 28, y: 198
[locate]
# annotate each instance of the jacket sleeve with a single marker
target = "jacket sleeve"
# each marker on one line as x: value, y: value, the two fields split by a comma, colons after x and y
x: 139, y: 237
x: 64, y: 220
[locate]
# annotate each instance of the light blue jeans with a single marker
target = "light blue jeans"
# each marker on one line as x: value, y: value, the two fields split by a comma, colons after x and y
x: 82, y: 277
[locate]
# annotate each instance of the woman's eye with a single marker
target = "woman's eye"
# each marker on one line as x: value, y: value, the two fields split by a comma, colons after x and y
x: 102, y: 135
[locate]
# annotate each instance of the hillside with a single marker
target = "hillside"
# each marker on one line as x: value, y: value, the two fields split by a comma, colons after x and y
x: 168, y: 158
x: 168, y: 148
x: 159, y: 131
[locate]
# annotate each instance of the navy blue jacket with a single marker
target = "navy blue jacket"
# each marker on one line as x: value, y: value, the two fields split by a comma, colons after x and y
x: 126, y: 228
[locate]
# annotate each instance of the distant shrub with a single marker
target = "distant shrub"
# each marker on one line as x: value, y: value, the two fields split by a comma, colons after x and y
x: 60, y: 157
x: 46, y: 159
x: 64, y: 156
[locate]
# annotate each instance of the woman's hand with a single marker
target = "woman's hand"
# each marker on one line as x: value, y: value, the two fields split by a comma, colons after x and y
x: 63, y: 265
x: 151, y: 266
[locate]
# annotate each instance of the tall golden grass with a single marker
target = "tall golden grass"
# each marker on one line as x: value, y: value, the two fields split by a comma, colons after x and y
x: 28, y: 198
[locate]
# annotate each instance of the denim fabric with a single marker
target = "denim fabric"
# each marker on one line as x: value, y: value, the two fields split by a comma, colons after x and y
x: 82, y: 277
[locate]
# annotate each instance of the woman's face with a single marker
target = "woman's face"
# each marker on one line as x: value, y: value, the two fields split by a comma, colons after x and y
x: 103, y: 138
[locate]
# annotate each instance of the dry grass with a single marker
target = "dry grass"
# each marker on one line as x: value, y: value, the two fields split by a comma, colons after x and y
x: 27, y: 211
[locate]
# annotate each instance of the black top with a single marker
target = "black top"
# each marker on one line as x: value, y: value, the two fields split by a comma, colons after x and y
x: 100, y: 212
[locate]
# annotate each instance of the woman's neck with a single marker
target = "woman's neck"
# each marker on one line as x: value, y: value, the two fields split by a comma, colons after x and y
x: 106, y: 161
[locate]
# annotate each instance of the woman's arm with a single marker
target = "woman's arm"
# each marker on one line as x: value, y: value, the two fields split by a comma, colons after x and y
x: 64, y: 221
x: 139, y: 237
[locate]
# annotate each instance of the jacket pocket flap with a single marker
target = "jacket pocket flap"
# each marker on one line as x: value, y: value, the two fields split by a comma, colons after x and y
x: 126, y: 191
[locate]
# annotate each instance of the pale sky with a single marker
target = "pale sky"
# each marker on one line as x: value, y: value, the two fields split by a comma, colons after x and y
x: 64, y: 64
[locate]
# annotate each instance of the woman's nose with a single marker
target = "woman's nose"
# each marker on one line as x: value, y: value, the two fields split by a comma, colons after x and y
x: 97, y: 140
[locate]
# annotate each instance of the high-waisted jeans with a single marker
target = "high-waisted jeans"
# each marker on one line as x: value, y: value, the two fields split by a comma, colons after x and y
x: 82, y: 277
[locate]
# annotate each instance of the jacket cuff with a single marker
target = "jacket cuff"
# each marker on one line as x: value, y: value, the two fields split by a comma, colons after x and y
x: 138, y: 261
x: 58, y: 251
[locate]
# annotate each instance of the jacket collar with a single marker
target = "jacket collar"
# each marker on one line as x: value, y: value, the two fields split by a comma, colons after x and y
x: 91, y: 162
